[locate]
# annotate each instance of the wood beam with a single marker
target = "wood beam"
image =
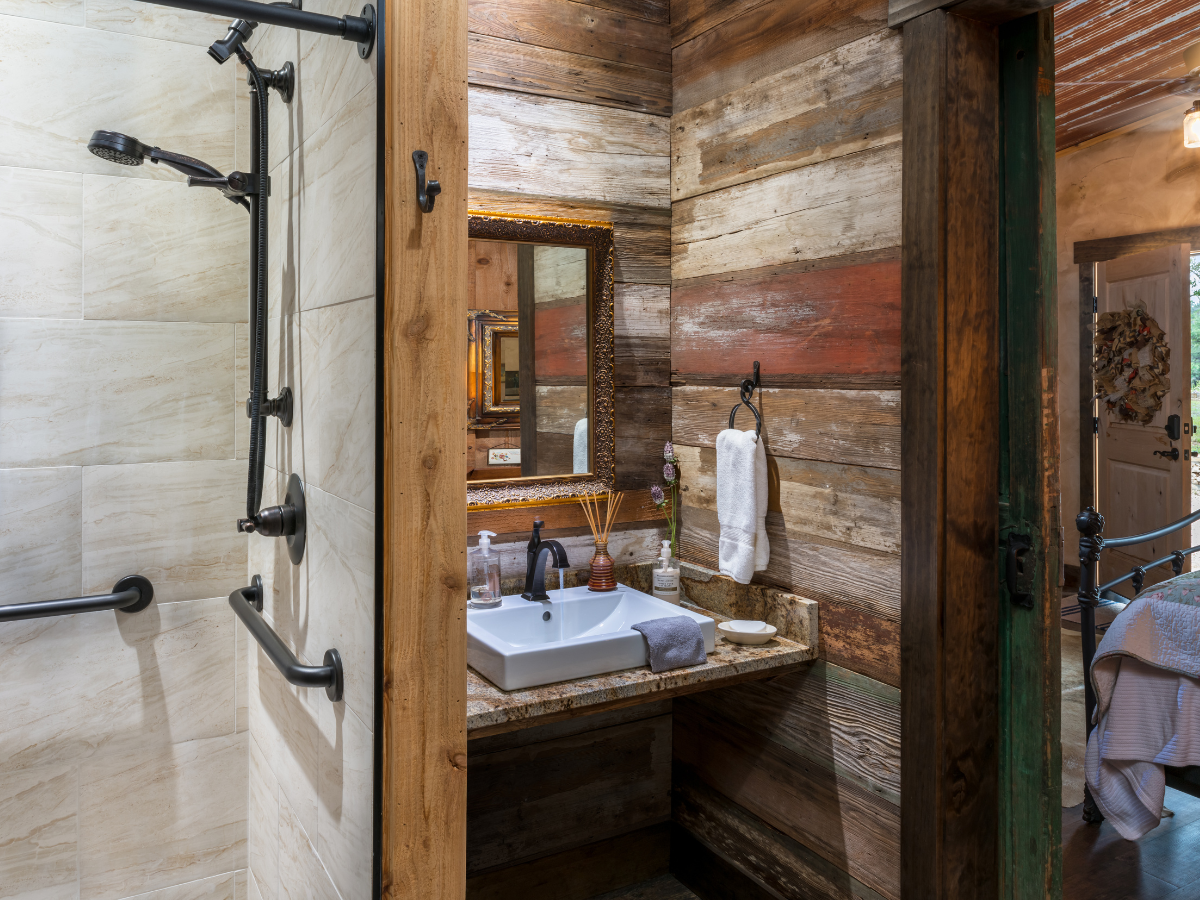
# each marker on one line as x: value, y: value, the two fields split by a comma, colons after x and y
x: 949, y: 458
x: 994, y: 11
x: 424, y: 500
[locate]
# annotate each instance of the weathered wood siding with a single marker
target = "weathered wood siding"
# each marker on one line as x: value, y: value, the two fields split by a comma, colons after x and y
x: 571, y: 809
x: 785, y: 189
x: 569, y: 113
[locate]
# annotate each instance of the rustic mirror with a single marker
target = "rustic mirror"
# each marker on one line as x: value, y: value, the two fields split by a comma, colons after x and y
x: 539, y: 379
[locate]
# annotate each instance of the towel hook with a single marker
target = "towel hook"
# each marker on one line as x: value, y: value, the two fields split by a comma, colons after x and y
x: 426, y: 193
x: 746, y: 392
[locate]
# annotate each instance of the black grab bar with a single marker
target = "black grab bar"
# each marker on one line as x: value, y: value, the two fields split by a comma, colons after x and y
x: 131, y: 594
x: 247, y: 602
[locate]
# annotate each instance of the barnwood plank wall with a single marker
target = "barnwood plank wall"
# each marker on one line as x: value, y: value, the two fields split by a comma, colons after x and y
x: 569, y: 116
x: 785, y: 190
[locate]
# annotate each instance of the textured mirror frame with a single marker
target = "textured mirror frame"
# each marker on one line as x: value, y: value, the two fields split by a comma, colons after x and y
x: 597, y: 237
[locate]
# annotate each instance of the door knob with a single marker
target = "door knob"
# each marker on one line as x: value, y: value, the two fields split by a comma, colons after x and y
x: 1172, y: 454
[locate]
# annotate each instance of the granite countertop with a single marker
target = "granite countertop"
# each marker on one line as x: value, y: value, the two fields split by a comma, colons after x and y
x: 493, y: 711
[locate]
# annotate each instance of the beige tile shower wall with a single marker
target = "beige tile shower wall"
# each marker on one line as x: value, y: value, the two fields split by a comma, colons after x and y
x: 124, y: 752
x: 311, y: 801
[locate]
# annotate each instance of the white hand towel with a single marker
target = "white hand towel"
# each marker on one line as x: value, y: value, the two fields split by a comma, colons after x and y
x: 579, y: 450
x: 742, y: 504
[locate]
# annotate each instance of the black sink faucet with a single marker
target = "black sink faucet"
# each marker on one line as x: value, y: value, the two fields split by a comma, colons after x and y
x: 535, y: 572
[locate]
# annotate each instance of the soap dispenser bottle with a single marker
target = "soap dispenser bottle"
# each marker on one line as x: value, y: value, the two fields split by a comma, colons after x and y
x: 666, y: 576
x: 483, y: 574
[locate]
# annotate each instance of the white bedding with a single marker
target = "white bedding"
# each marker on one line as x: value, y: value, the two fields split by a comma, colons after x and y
x: 1146, y: 675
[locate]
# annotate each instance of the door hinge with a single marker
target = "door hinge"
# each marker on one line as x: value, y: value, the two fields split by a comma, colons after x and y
x: 1095, y: 424
x: 1095, y: 304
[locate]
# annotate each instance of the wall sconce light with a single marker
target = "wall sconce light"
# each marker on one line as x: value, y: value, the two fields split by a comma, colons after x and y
x: 1191, y: 127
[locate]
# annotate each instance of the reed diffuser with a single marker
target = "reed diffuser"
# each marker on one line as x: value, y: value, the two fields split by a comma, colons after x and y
x: 601, y: 577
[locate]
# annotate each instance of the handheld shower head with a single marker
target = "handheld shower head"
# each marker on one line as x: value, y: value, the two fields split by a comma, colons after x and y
x: 118, y: 148
x: 239, y: 32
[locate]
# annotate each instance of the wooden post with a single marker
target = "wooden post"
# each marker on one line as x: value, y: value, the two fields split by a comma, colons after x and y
x: 1030, y: 758
x: 949, y: 459
x: 423, y: 507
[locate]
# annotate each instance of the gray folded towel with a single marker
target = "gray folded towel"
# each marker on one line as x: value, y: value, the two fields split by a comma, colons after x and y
x: 673, y: 641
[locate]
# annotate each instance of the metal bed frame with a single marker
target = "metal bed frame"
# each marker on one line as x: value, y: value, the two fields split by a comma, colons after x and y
x: 1091, y: 543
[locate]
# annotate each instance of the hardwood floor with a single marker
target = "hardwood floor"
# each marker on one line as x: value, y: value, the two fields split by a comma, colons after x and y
x: 1098, y: 864
x: 662, y: 888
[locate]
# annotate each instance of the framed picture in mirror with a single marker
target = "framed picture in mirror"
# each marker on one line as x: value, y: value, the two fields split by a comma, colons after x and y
x: 540, y: 363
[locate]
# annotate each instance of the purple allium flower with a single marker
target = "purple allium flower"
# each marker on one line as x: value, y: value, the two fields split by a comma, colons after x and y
x: 669, y: 473
x: 656, y: 494
x: 669, y: 452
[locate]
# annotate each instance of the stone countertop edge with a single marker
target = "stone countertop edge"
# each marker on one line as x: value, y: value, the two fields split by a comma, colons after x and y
x: 489, y: 708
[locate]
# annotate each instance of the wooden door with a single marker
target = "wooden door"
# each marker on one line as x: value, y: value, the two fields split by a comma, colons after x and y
x: 1137, y: 490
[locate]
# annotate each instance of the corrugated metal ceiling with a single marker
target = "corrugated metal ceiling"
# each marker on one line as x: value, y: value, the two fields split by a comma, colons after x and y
x: 1117, y: 62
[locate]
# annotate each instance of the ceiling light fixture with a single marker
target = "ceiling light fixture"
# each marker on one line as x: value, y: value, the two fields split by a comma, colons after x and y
x: 1191, y: 118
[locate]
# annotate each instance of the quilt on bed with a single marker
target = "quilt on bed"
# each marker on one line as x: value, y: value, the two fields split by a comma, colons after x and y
x: 1146, y: 675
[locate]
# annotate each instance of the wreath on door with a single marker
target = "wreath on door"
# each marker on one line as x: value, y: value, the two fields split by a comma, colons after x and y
x: 1131, y: 364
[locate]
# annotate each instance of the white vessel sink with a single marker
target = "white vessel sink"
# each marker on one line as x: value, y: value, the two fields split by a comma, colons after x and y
x: 517, y: 646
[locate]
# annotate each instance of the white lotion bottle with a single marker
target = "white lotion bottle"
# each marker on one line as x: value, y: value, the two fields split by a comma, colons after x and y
x: 483, y: 574
x: 666, y: 576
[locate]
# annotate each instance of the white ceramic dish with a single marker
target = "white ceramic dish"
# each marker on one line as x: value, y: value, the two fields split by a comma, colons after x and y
x: 577, y: 634
x: 744, y: 631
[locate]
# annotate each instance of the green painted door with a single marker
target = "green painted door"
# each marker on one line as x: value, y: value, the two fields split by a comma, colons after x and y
x: 1030, y: 755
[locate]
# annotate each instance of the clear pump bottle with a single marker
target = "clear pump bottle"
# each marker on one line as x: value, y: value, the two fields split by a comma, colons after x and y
x: 666, y: 576
x: 483, y: 574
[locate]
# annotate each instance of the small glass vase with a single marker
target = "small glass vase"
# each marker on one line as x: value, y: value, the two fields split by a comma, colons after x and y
x: 601, y: 577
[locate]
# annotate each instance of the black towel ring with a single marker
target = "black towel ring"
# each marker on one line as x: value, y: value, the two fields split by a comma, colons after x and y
x: 749, y: 385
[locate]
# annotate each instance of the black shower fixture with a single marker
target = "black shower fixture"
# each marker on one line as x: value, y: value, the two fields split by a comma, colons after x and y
x: 360, y: 29
x: 126, y: 151
x: 239, y: 32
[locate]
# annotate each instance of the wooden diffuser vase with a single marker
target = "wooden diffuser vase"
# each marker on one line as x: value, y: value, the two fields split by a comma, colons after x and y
x: 601, y: 576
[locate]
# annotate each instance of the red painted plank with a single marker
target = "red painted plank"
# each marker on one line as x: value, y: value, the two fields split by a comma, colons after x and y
x: 840, y: 321
x: 560, y: 342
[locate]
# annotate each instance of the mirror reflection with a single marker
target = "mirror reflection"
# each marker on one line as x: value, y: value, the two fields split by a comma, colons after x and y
x: 528, y: 390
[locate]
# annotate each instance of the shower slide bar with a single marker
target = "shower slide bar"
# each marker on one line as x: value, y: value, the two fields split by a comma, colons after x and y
x: 247, y: 602
x: 360, y: 29
x: 131, y: 594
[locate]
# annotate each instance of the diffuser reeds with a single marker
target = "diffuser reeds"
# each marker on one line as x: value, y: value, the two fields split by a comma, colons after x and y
x: 591, y: 509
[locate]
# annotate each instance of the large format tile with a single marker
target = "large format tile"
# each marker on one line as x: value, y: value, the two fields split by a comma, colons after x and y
x: 111, y: 681
x: 337, y: 207
x: 37, y: 834
x: 241, y: 690
x: 241, y: 390
x: 41, y: 534
x: 263, y: 823
x: 66, y: 12
x: 162, y: 22
x: 103, y: 393
x: 283, y: 720
x: 75, y: 81
x: 292, y: 362
x: 345, y: 379
x: 341, y: 593
x: 327, y: 77
x: 172, y: 522
x: 283, y: 239
x: 162, y: 251
x: 157, y: 818
x: 301, y: 874
x: 217, y: 887
x: 41, y: 255
x: 346, y: 807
